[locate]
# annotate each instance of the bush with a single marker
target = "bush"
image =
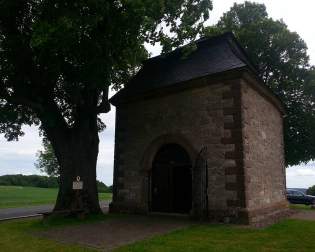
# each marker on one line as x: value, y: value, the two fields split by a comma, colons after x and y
x: 30, y: 180
x: 311, y: 190
x: 102, y: 188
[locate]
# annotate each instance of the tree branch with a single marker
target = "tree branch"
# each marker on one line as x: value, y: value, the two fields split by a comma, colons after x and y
x: 19, y: 100
x: 104, y: 106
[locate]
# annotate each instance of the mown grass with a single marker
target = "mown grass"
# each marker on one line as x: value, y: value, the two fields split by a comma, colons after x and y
x: 301, y: 207
x: 286, y: 236
x: 18, y: 196
x: 21, y: 235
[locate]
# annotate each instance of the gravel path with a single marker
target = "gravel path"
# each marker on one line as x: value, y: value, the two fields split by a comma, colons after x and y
x: 116, y: 231
x: 304, y: 215
x: 121, y: 230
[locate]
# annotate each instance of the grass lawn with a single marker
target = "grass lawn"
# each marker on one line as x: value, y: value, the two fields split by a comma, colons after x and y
x: 18, y: 196
x: 301, y: 207
x: 19, y: 235
x: 287, y: 236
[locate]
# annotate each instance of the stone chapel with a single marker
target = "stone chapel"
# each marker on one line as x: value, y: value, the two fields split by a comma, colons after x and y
x: 200, y: 134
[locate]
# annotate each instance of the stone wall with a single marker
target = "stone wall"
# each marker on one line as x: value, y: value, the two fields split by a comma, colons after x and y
x: 241, y: 129
x: 199, y: 117
x: 264, y: 168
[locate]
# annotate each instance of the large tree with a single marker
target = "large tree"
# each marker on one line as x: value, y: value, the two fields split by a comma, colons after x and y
x: 58, y: 60
x: 283, y: 65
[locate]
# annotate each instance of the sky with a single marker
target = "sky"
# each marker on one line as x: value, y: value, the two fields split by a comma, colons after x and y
x: 19, y: 157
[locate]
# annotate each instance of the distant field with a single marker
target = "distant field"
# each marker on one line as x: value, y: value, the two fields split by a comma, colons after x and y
x: 18, y: 196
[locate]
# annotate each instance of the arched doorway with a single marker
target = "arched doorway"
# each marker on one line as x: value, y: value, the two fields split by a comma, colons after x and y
x: 171, y: 180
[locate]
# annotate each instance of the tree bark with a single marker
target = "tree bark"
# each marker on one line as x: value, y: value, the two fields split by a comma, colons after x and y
x: 78, y: 158
x: 76, y: 150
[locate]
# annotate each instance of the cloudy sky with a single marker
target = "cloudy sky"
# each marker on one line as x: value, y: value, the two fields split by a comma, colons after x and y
x: 19, y: 157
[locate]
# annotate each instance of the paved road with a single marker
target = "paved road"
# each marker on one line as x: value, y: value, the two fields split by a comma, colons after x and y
x: 8, y: 213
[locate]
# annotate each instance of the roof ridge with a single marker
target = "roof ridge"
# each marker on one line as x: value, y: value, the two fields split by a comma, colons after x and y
x: 245, y: 59
x: 213, y: 55
x: 204, y: 39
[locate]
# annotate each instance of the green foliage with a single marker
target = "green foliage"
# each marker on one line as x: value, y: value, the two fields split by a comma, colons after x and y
x: 58, y: 58
x: 47, y: 161
x: 29, y: 180
x: 311, y: 190
x: 102, y: 188
x: 283, y: 64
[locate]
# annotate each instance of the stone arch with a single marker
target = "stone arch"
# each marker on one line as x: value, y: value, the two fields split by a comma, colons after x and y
x: 157, y: 143
x: 150, y: 153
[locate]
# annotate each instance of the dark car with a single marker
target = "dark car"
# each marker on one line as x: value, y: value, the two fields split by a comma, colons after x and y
x: 297, y: 197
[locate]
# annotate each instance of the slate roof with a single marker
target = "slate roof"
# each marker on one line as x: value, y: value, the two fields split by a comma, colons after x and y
x: 213, y: 55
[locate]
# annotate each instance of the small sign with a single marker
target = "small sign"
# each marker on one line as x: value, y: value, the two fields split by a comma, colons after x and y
x: 77, y: 185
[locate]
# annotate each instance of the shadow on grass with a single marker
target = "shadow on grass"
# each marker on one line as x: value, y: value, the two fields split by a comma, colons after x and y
x: 60, y: 221
x: 288, y: 235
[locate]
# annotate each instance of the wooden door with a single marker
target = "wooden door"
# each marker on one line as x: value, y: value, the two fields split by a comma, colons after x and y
x: 160, y: 188
x: 171, y: 180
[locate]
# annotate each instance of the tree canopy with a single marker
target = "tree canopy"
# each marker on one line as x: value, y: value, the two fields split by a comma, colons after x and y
x: 311, y: 190
x: 47, y: 161
x: 283, y: 65
x: 58, y: 59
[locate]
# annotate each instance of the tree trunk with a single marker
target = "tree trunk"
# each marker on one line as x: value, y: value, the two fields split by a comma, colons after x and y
x: 76, y: 150
x: 78, y: 159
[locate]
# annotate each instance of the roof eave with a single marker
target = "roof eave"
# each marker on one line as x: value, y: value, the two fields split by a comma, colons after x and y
x: 264, y: 90
x: 118, y: 98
